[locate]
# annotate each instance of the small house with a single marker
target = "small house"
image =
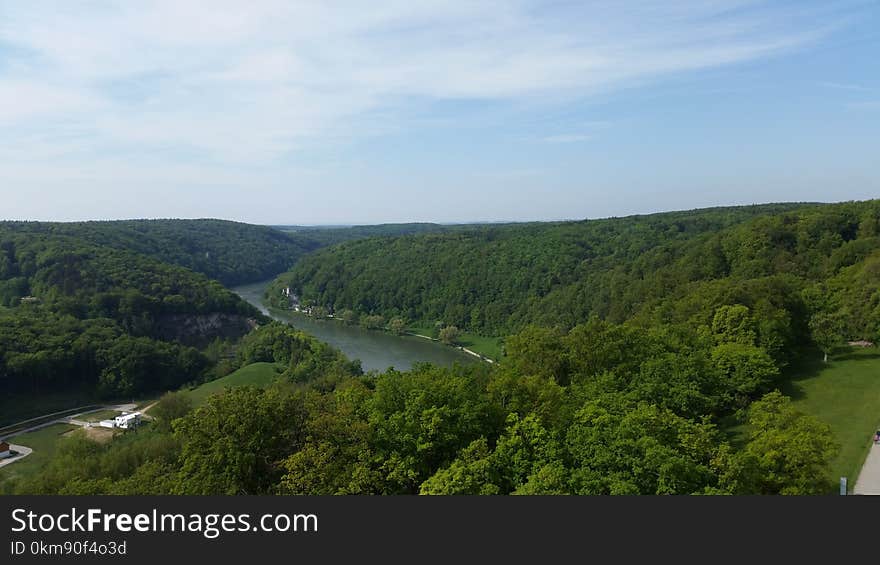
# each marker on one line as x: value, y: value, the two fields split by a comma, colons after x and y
x: 128, y: 421
x: 5, y: 450
x: 861, y: 343
x: 107, y: 423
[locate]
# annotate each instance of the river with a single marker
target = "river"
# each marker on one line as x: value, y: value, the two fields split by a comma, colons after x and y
x: 376, y: 350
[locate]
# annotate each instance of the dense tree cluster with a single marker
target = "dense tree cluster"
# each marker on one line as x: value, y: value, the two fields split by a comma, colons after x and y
x: 230, y: 252
x: 780, y: 260
x: 76, y: 314
x: 601, y: 409
x: 332, y: 235
x: 636, y: 344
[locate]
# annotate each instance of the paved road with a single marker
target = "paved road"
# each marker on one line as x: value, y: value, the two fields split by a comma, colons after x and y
x: 73, y: 418
x: 22, y: 453
x: 869, y: 477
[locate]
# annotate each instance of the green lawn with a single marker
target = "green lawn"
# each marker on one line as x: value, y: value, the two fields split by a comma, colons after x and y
x: 487, y: 346
x: 258, y: 374
x: 490, y: 347
x: 422, y: 330
x: 43, y: 442
x: 99, y: 415
x: 846, y: 395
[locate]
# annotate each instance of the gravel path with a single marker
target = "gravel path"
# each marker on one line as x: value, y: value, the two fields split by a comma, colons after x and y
x: 869, y: 477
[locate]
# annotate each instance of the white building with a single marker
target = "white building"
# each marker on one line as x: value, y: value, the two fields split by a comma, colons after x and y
x: 127, y: 421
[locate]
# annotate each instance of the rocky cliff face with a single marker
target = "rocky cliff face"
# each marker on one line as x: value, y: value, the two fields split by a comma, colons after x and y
x: 196, y: 329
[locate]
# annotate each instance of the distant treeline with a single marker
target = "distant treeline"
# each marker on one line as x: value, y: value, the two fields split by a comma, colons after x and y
x: 795, y: 263
x: 230, y: 252
x: 331, y: 235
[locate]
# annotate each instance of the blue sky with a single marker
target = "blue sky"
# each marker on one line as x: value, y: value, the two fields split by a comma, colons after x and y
x: 356, y: 112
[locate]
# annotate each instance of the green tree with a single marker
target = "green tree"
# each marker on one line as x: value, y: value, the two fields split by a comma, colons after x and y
x: 232, y: 445
x: 349, y: 316
x: 171, y: 406
x: 449, y: 335
x: 373, y: 322
x: 734, y: 324
x: 472, y: 472
x: 787, y: 452
x: 618, y: 447
x: 826, y: 332
x: 337, y: 457
x: 397, y: 325
x: 745, y: 370
x: 538, y: 351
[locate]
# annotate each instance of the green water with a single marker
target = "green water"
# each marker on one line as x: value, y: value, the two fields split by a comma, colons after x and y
x: 376, y: 350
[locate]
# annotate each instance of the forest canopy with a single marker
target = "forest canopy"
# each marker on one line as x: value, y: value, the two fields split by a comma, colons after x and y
x: 633, y: 347
x: 788, y: 262
x: 230, y: 252
x: 642, y: 415
x: 81, y: 315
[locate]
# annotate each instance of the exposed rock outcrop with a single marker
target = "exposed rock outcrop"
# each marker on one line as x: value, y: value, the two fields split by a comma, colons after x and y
x: 195, y: 329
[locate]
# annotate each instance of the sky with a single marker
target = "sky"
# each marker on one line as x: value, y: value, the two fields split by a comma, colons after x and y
x: 354, y: 112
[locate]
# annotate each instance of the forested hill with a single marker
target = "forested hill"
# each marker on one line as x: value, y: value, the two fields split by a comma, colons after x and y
x: 497, y: 280
x: 718, y: 303
x: 78, y: 315
x: 332, y: 235
x: 230, y: 252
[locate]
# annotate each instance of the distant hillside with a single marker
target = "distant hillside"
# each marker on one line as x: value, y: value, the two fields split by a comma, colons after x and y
x: 75, y: 314
x: 230, y: 252
x: 332, y: 235
x: 496, y: 280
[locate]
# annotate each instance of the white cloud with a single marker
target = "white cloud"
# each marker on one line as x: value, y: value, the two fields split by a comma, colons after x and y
x: 247, y: 82
x: 22, y: 100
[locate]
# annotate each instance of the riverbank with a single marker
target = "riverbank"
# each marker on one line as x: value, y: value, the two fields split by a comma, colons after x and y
x: 470, y: 344
x: 376, y: 350
x: 464, y: 340
x: 491, y: 348
x: 459, y: 347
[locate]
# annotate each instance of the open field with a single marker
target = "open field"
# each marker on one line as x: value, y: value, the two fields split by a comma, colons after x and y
x: 257, y: 374
x: 490, y: 347
x: 44, y: 442
x: 99, y: 415
x: 845, y: 394
x: 487, y: 346
x: 94, y: 433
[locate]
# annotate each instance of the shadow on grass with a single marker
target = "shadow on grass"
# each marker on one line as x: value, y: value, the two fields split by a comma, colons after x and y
x: 810, y: 363
x: 857, y: 356
x: 808, y: 366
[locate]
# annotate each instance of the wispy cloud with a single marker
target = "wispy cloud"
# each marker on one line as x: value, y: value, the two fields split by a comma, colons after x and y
x: 247, y: 83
